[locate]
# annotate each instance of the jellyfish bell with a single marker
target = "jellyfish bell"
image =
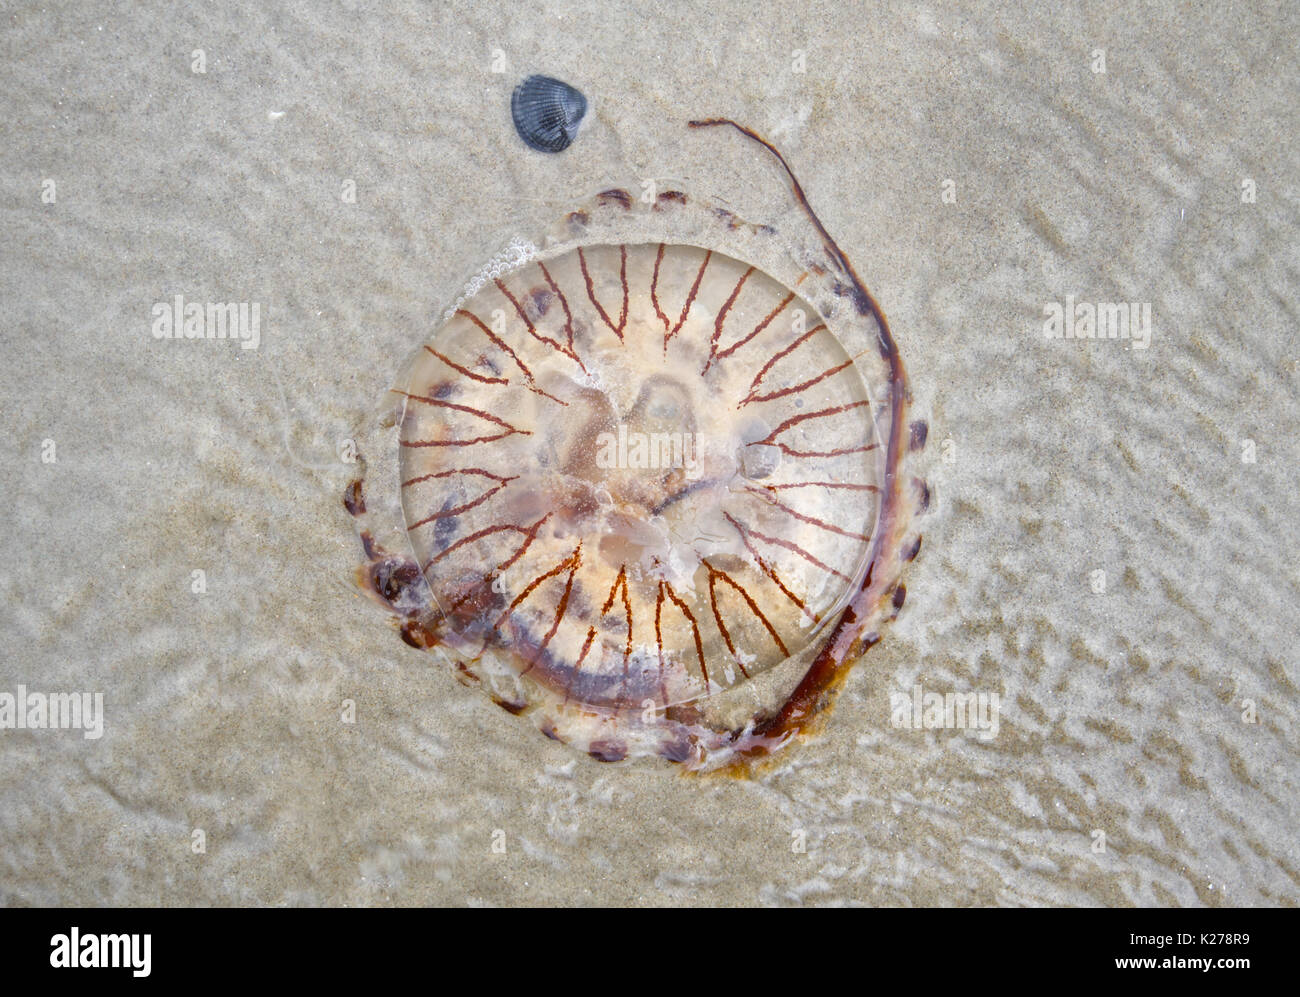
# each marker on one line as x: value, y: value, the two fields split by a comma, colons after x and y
x: 646, y: 485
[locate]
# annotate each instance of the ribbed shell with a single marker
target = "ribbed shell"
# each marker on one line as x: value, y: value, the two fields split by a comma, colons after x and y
x: 547, y: 113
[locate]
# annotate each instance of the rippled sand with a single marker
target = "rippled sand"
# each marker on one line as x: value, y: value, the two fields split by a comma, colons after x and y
x: 1121, y: 709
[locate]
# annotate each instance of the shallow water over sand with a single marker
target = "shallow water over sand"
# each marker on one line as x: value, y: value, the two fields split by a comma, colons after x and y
x: 1169, y: 469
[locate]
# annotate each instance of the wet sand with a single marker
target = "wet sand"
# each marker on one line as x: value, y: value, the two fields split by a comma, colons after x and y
x: 1169, y: 179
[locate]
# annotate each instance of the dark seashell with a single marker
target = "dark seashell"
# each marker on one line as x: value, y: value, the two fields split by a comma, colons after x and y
x: 547, y: 113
